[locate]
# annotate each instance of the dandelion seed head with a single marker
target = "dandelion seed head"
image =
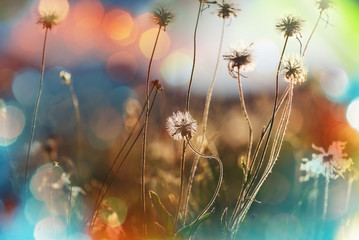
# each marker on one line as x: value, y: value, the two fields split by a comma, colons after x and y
x: 48, y: 20
x: 65, y: 77
x: 293, y: 70
x: 240, y: 60
x: 290, y: 25
x: 324, y: 5
x: 226, y: 10
x: 331, y: 164
x: 181, y: 125
x: 162, y: 17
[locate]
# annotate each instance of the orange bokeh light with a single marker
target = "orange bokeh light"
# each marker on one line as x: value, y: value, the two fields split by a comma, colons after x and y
x: 88, y: 14
x: 118, y: 24
x: 147, y: 41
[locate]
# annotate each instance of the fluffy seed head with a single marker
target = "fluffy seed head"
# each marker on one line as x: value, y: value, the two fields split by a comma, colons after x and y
x: 52, y: 12
x: 240, y: 60
x: 290, y: 25
x: 225, y: 10
x: 293, y: 70
x: 331, y: 164
x: 162, y: 17
x: 65, y: 77
x: 324, y: 5
x: 181, y: 125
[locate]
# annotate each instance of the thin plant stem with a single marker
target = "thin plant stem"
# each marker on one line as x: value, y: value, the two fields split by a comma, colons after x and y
x: 204, y: 126
x: 219, y: 183
x: 110, y: 170
x: 69, y: 211
x: 311, y: 35
x: 183, y: 160
x: 272, y: 121
x: 326, y: 195
x: 34, y: 117
x: 144, y: 142
x: 75, y: 102
x: 194, y: 55
x: 94, y: 215
x: 245, y: 113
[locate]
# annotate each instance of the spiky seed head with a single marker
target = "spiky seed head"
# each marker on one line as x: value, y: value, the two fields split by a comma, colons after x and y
x: 65, y: 77
x: 290, y: 25
x: 162, y: 17
x: 52, y: 12
x: 48, y: 20
x: 181, y: 125
x: 240, y: 60
x: 324, y: 5
x: 226, y: 10
x: 293, y: 70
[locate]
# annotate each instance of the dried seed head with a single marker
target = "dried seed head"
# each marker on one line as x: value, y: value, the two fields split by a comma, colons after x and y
x: 162, y: 17
x: 156, y: 83
x: 293, y: 70
x: 52, y: 12
x: 225, y: 10
x: 65, y: 77
x: 240, y: 60
x: 324, y: 5
x: 331, y: 164
x: 181, y: 125
x: 290, y: 25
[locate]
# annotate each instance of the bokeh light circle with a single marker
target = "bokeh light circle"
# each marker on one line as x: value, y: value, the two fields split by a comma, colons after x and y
x: 148, y: 39
x: 334, y: 82
x: 118, y: 24
x: 50, y: 228
x: 353, y: 114
x: 122, y: 67
x: 88, y: 13
x: 25, y: 87
x: 12, y: 123
x: 176, y: 68
x: 106, y: 123
x: 118, y: 212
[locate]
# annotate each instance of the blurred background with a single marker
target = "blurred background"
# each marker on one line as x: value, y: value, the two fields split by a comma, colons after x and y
x: 106, y: 46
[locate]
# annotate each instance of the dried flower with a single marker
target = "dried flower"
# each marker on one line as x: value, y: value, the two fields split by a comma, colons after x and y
x: 290, y: 25
x: 293, y: 70
x: 181, y: 125
x: 225, y: 10
x: 156, y: 83
x: 240, y: 60
x: 324, y: 5
x: 331, y: 164
x: 52, y: 12
x: 162, y: 17
x: 65, y: 77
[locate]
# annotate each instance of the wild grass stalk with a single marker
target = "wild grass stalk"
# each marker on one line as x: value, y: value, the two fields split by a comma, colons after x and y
x: 34, y: 117
x: 110, y: 178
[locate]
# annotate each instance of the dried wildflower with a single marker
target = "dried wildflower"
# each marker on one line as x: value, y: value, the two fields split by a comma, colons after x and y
x: 293, y: 70
x: 156, y: 83
x: 65, y: 77
x: 331, y: 164
x: 162, y: 17
x: 52, y: 12
x: 181, y: 125
x: 324, y: 5
x: 239, y: 60
x: 290, y: 25
x: 225, y: 10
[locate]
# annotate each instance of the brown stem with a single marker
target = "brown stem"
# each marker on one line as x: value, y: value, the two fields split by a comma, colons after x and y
x: 204, y: 126
x: 34, y: 117
x: 144, y: 143
x: 311, y: 35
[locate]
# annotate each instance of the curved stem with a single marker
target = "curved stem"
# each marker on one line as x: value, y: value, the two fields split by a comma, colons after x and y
x: 144, y: 143
x: 34, y: 118
x: 194, y: 55
x: 311, y: 35
x: 219, y: 184
x: 204, y: 126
